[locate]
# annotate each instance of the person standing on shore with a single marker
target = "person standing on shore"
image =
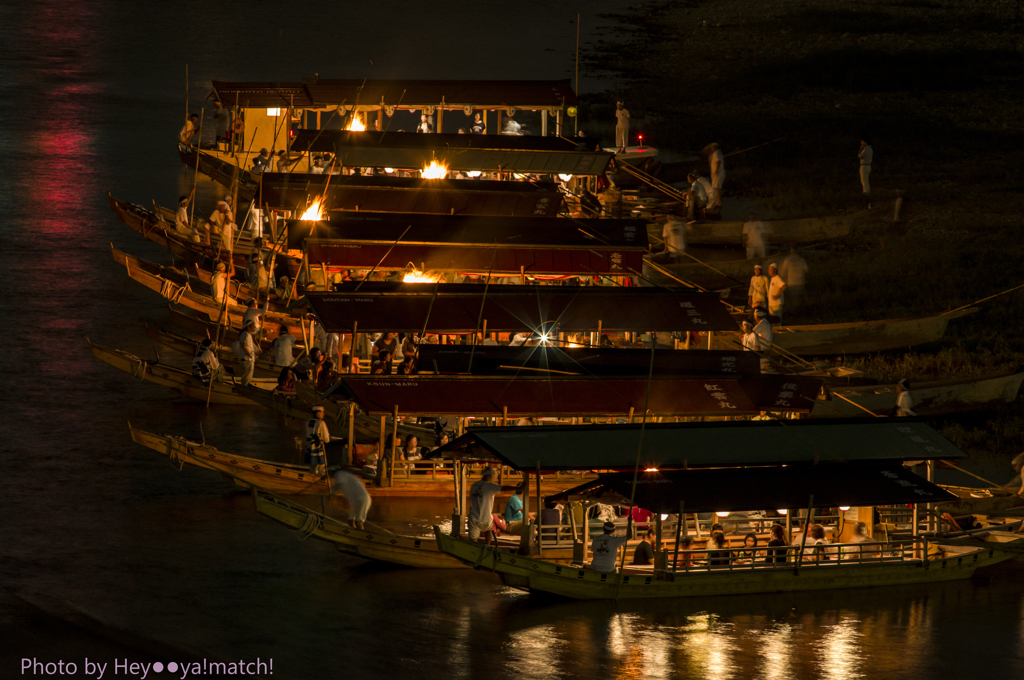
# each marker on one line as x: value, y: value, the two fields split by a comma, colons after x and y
x: 753, y: 235
x: 776, y: 291
x: 794, y: 273
x: 758, y: 292
x: 621, y: 127
x: 716, y: 161
x: 865, y: 155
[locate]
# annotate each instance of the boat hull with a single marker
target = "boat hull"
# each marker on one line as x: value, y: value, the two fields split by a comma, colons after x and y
x: 580, y: 583
x: 779, y: 232
x: 933, y: 398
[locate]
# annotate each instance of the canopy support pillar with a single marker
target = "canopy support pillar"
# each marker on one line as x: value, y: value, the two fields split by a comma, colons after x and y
x: 807, y: 530
x: 543, y: 123
x: 350, y: 456
x: 539, y: 504
x: 680, y: 529
x: 394, y: 445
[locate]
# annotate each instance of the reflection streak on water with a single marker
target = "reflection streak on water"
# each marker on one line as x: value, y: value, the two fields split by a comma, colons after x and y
x: 534, y: 652
x: 841, y: 652
x: 776, y: 649
x: 708, y: 648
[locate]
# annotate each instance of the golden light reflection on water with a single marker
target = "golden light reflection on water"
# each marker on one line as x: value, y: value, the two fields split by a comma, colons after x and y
x: 840, y: 651
x: 535, y: 652
x: 775, y: 647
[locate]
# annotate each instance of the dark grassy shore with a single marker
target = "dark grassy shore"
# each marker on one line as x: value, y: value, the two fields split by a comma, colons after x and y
x: 936, y: 85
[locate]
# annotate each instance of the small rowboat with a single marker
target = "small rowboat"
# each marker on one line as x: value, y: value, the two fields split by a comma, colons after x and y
x: 936, y: 397
x: 778, y: 232
x: 856, y: 337
x: 285, y: 478
x: 175, y: 378
x: 190, y: 347
x: 409, y: 551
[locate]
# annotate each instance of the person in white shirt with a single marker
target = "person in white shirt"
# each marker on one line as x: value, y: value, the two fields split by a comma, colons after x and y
x: 219, y: 282
x: 182, y: 223
x: 188, y: 131
x: 794, y: 273
x: 333, y: 344
x: 904, y: 402
x: 674, y: 234
x: 227, y: 237
x: 757, y: 294
x: 606, y: 549
x: 716, y: 161
x: 699, y: 191
x: 283, y: 348
x: 317, y: 438
x: 205, y: 365
x: 753, y: 235
x: 511, y: 127
x: 481, y: 507
x: 855, y: 552
x: 283, y: 164
x: 352, y: 488
x: 519, y: 339
x: 776, y: 291
x: 426, y: 124
x: 318, y: 166
x: 621, y: 127
x: 749, y: 338
x: 217, y: 220
x: 865, y: 155
x: 247, y: 352
x: 254, y: 314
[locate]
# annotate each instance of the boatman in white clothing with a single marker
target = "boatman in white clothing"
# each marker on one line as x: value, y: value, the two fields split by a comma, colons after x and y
x: 776, y: 291
x: 254, y: 314
x: 757, y: 294
x: 481, y: 507
x: 621, y: 127
x: 606, y: 549
x: 317, y: 438
x: 753, y: 236
x: 865, y: 155
x: 749, y: 338
x: 794, y: 273
x: 674, y: 235
x: 247, y: 351
x: 284, y: 348
x: 352, y: 488
x: 217, y: 220
x: 182, y: 224
x: 205, y: 365
x: 716, y: 161
x: 904, y: 402
x: 763, y: 330
x: 219, y: 282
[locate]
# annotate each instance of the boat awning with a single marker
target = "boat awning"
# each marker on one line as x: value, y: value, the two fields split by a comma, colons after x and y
x: 759, y: 488
x: 566, y: 396
x: 383, y: 193
x: 502, y: 360
x: 500, y: 245
x: 461, y: 308
x: 490, y: 153
x: 368, y: 95
x: 715, y: 444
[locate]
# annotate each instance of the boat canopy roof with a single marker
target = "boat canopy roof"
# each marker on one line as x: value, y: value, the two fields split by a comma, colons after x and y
x: 702, y: 445
x: 503, y: 360
x: 736, y: 489
x: 455, y: 230
x: 385, y: 193
x: 565, y: 396
x: 368, y: 95
x: 461, y: 308
x: 491, y: 153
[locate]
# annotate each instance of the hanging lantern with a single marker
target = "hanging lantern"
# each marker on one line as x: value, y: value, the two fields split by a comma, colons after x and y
x: 468, y: 110
x: 389, y: 110
x: 571, y: 112
x: 511, y: 111
x: 429, y: 110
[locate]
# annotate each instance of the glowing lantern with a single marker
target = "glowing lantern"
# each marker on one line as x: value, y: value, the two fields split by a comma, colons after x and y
x: 313, y: 212
x: 434, y: 171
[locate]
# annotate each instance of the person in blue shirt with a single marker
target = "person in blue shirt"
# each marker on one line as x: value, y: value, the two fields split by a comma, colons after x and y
x: 514, y: 507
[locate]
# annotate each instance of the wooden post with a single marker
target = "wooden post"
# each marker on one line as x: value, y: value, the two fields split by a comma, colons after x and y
x: 916, y: 532
x: 928, y: 507
x: 558, y: 123
x: 464, y: 493
x: 599, y: 332
x: 352, y: 346
x: 440, y: 115
x: 543, y: 123
x: 379, y: 480
x: 807, y: 529
x: 504, y: 416
x: 351, y: 433
x: 680, y: 527
x: 629, y: 418
x: 540, y: 500
x: 483, y: 336
x: 498, y: 111
x: 394, y: 445
x: 526, y: 540
x: 711, y: 334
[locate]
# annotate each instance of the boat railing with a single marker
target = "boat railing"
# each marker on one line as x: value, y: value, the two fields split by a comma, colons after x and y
x: 791, y: 556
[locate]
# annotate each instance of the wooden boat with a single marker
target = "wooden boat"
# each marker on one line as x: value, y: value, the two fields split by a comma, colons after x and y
x: 778, y: 232
x: 409, y: 551
x: 958, y: 562
x: 715, y: 273
x: 159, y: 231
x: 975, y: 501
x: 293, y: 405
x: 221, y: 171
x: 937, y: 397
x: 284, y: 478
x: 183, y: 295
x: 856, y: 337
x: 175, y: 378
x: 190, y: 347
x: 168, y: 281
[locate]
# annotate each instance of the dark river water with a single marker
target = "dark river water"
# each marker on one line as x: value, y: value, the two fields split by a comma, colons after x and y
x: 92, y: 97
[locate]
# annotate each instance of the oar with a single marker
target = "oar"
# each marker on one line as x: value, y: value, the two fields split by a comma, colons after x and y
x: 983, y: 300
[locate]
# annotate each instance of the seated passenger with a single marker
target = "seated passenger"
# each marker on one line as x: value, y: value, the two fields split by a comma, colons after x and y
x: 286, y: 381
x: 855, y: 552
x: 777, y: 546
x: 411, y: 450
x: 814, y: 548
x: 550, y: 519
x: 382, y: 366
x: 749, y: 551
x: 644, y: 553
x: 719, y: 556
